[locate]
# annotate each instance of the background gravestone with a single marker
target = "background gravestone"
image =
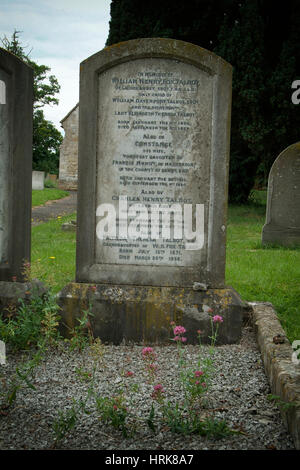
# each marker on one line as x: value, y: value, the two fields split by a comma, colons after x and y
x: 283, y: 204
x: 154, y: 128
x: 16, y: 105
x: 38, y: 180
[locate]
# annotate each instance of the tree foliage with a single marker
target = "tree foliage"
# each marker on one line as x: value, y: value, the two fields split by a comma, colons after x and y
x: 46, y: 142
x: 45, y: 86
x: 260, y: 38
x: 46, y: 138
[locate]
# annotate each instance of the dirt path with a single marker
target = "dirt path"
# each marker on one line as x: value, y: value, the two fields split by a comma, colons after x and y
x: 53, y: 209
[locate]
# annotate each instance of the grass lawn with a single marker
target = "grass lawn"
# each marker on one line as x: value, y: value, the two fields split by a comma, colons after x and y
x: 269, y: 274
x: 39, y: 197
x: 53, y: 253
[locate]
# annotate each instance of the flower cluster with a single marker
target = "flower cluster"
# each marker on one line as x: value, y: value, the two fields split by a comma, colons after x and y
x: 149, y: 357
x: 217, y: 319
x: 158, y: 392
x: 149, y: 353
x: 178, y: 332
x: 198, y: 373
x: 194, y: 381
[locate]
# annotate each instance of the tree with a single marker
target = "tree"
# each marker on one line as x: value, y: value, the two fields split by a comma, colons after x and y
x: 44, y: 93
x: 192, y: 21
x: 261, y: 43
x: 241, y: 43
x: 46, y: 138
x: 46, y: 142
x: 260, y: 39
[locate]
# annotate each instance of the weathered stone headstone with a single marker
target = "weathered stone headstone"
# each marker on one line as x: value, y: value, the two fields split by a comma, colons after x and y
x: 154, y: 133
x: 283, y: 203
x: 38, y: 180
x: 68, y: 159
x: 16, y: 104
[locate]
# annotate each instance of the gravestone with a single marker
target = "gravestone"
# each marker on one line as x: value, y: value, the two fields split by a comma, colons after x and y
x: 16, y: 104
x: 38, y: 180
x: 154, y: 134
x: 283, y: 203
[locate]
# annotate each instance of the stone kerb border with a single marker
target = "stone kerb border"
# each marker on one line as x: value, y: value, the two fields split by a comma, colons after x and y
x: 283, y: 374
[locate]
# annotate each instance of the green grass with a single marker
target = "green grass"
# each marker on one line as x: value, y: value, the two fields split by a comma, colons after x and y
x: 258, y: 197
x: 53, y: 253
x: 270, y: 274
x: 258, y: 273
x: 40, y: 197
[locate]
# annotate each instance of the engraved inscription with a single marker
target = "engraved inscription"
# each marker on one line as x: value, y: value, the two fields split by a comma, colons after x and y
x: 152, y: 149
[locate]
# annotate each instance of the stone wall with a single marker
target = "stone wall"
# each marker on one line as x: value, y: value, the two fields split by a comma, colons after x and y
x: 282, y: 368
x: 68, y: 162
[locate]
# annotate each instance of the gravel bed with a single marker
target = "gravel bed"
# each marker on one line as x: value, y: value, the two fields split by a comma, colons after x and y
x: 238, y: 394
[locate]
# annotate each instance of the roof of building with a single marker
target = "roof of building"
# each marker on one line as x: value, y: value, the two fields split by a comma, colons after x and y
x: 70, y: 112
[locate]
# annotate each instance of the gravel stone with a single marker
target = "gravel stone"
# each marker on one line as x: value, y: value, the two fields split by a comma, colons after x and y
x: 237, y: 394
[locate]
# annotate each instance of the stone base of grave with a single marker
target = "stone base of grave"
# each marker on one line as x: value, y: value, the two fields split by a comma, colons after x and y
x: 68, y: 185
x: 143, y: 313
x: 280, y: 235
x: 11, y: 292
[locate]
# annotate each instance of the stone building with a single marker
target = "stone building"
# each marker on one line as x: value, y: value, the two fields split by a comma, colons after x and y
x: 68, y: 161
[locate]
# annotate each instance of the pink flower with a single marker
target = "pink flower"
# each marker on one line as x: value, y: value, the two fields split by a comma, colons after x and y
x: 179, y: 330
x: 198, y: 373
x: 197, y: 382
x: 147, y: 351
x: 148, y: 354
x: 199, y: 332
x: 203, y: 384
x: 157, y: 392
x: 217, y: 319
x: 183, y: 339
x: 129, y: 373
x: 115, y: 407
x: 177, y: 338
x: 172, y: 323
x: 159, y: 388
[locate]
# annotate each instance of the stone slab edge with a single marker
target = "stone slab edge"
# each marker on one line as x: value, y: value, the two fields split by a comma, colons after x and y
x: 12, y: 292
x: 68, y: 185
x: 283, y: 374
